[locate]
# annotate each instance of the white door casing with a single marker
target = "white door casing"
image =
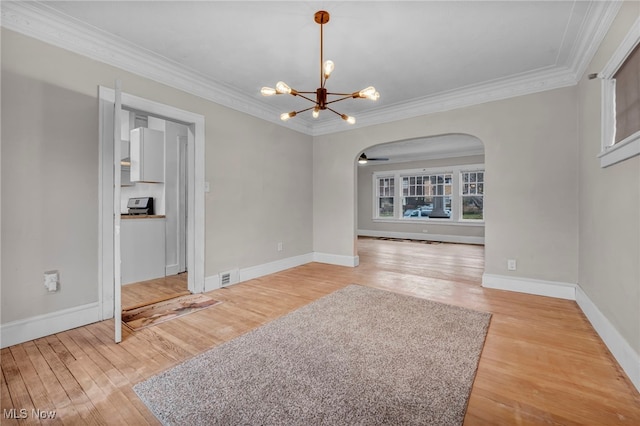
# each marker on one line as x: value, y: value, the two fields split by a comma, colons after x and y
x: 195, y: 190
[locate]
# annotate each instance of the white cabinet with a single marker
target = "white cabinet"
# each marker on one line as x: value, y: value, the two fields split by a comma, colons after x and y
x: 142, y: 249
x: 147, y: 155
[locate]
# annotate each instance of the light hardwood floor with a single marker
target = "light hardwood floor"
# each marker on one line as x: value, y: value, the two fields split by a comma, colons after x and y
x: 542, y: 362
x: 153, y: 291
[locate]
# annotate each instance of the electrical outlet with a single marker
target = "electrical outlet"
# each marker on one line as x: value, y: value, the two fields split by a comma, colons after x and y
x: 511, y: 265
x: 280, y: 246
x: 51, y: 281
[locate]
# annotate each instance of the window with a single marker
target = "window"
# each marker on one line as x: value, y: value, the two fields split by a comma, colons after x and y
x: 426, y: 196
x: 473, y: 195
x: 621, y: 101
x: 384, y: 197
x: 452, y: 195
x: 627, y: 97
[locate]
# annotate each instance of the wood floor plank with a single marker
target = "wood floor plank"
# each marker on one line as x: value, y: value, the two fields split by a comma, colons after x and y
x: 82, y: 406
x: 64, y: 407
x: 17, y: 387
x: 542, y: 362
x: 42, y: 402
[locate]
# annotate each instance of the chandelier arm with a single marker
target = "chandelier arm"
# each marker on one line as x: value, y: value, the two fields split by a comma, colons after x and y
x: 334, y: 111
x: 304, y: 110
x: 349, y: 95
x: 338, y: 100
x: 309, y: 99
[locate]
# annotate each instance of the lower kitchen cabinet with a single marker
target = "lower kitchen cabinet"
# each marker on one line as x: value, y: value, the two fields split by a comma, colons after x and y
x: 142, y: 248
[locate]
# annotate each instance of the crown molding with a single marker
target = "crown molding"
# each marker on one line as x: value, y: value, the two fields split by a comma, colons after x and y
x: 599, y: 18
x: 41, y: 22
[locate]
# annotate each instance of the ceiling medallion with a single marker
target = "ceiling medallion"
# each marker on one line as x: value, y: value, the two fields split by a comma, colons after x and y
x: 321, y: 102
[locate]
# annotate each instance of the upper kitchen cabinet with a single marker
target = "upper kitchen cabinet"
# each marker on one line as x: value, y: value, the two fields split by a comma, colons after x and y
x: 147, y: 155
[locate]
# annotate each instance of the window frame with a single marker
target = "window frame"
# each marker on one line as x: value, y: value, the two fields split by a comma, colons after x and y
x: 456, y: 194
x: 611, y: 152
x: 469, y: 170
x: 377, y: 196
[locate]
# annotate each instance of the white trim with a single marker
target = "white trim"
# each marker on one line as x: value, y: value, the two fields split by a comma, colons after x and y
x: 433, y: 221
x: 212, y: 282
x: 555, y: 289
x: 628, y: 359
x: 612, y: 153
x: 196, y: 208
x: 44, y: 325
x: 624, y: 49
x: 336, y: 259
x: 627, y: 148
x: 172, y: 269
x: 273, y: 267
x: 422, y: 237
x: 456, y: 193
x: 44, y: 23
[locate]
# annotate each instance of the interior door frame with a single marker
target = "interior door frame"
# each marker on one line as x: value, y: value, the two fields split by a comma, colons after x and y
x: 195, y: 191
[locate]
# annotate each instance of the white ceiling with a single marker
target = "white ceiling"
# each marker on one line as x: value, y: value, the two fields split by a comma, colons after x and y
x: 422, y: 56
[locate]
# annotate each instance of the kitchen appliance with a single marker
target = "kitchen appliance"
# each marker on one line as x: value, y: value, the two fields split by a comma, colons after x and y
x: 140, y: 206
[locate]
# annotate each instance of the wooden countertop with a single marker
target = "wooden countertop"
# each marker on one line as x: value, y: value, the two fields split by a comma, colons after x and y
x: 142, y: 216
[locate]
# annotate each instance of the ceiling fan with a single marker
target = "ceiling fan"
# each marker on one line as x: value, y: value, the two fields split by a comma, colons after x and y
x: 364, y: 159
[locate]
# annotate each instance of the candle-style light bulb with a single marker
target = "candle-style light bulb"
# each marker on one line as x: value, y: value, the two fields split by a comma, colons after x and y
x: 369, y: 93
x: 268, y: 91
x: 328, y: 68
x: 287, y: 115
x: 348, y: 119
x: 282, y: 87
x: 316, y: 112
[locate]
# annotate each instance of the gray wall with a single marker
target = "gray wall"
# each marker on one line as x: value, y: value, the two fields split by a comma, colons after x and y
x: 609, y: 218
x: 365, y: 201
x: 260, y: 177
x: 531, y: 197
x: 541, y: 174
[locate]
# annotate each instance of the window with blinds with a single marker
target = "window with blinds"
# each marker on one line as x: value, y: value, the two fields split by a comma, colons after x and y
x: 620, y: 108
x: 627, y: 96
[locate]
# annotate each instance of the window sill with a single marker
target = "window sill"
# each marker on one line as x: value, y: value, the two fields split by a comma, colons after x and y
x: 431, y: 222
x: 623, y: 150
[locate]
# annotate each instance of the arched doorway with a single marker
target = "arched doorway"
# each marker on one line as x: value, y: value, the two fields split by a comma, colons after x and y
x: 429, y: 188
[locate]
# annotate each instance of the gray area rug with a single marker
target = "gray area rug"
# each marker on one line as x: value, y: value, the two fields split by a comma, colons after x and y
x: 359, y: 356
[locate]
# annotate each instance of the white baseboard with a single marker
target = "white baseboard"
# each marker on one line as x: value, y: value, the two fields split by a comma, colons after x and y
x: 628, y: 359
x: 423, y: 237
x: 273, y: 267
x: 212, y: 282
x: 555, y: 289
x: 336, y: 259
x: 172, y: 269
x: 43, y: 325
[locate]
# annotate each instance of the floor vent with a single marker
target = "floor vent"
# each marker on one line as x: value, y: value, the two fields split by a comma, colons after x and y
x: 225, y: 279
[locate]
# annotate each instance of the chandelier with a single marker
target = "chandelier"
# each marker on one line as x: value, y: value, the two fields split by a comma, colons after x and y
x: 321, y: 101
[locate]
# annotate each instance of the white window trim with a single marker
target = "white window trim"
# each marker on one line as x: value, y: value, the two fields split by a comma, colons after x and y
x: 468, y: 170
x: 456, y: 197
x: 629, y: 147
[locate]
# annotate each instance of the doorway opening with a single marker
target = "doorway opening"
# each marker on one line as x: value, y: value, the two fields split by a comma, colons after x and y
x: 428, y: 189
x: 153, y: 260
x: 192, y: 144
